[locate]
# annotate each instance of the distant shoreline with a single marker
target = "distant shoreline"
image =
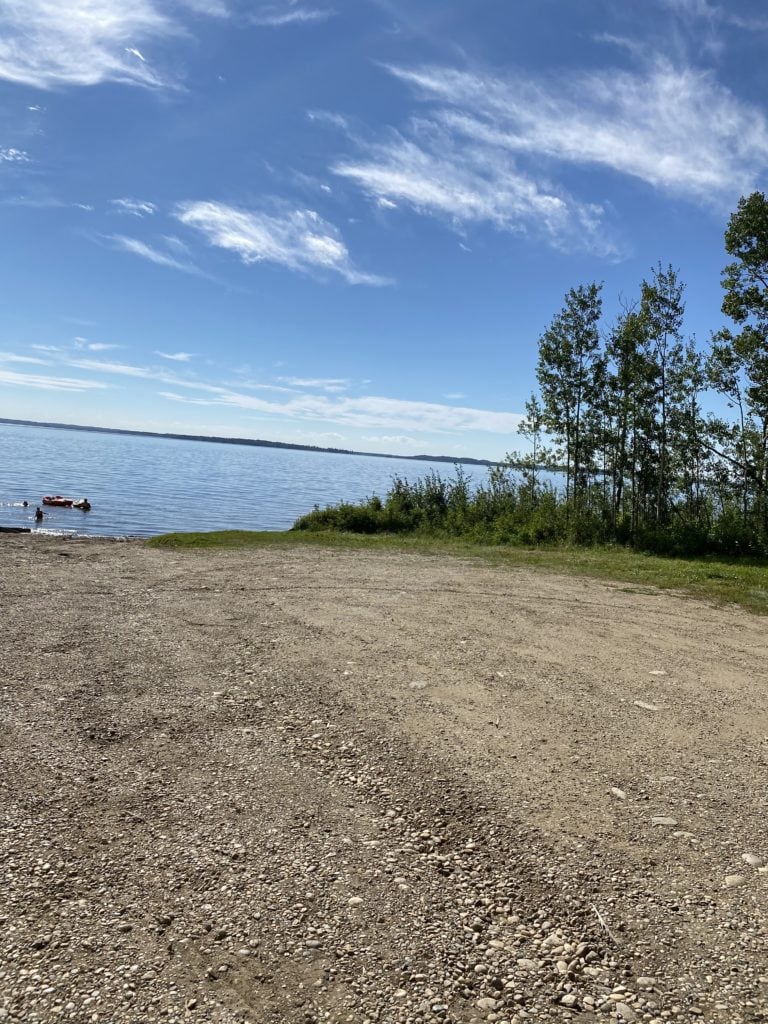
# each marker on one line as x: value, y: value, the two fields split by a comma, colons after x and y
x: 254, y: 443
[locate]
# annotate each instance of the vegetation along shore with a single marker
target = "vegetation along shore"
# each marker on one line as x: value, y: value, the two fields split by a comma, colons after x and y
x: 621, y: 412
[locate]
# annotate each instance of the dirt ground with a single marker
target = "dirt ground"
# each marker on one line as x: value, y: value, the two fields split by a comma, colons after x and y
x: 305, y: 784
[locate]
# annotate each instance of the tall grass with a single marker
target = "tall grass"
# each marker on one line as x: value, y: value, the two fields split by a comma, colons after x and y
x: 507, y: 509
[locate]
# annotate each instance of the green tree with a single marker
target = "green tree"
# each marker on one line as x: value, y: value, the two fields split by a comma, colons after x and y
x: 538, y: 456
x: 738, y: 363
x: 663, y: 309
x: 569, y: 353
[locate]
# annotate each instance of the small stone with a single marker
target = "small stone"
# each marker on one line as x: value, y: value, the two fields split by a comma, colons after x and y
x: 661, y: 819
x: 569, y: 1000
x: 355, y: 901
x: 487, y: 1003
x: 125, y: 927
x: 646, y: 982
x: 645, y: 705
x: 731, y: 881
x: 753, y: 860
x: 626, y: 1012
x: 618, y: 793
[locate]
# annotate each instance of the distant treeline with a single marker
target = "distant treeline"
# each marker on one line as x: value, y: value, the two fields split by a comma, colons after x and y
x: 252, y: 442
x: 620, y: 410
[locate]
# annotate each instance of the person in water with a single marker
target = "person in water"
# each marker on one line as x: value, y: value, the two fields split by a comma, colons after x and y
x: 39, y: 514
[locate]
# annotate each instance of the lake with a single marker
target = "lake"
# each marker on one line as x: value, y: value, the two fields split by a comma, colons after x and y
x: 143, y: 486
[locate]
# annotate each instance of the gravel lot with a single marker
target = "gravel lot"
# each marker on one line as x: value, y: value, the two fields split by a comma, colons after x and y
x: 304, y: 785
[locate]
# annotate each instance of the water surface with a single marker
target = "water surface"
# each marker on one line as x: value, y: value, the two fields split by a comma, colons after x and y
x: 143, y: 486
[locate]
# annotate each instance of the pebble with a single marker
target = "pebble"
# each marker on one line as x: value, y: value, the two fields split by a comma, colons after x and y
x: 661, y: 819
x: 731, y: 881
x: 753, y: 860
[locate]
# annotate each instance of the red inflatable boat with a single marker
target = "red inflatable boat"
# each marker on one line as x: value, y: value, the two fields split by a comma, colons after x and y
x: 58, y: 501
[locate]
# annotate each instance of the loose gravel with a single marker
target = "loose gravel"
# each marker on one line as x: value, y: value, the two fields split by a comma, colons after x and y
x: 306, y: 785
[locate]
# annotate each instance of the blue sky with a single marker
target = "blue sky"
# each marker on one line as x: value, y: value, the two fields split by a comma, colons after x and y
x: 347, y: 222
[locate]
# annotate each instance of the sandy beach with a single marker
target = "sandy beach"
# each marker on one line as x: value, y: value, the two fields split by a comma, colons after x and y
x: 302, y: 784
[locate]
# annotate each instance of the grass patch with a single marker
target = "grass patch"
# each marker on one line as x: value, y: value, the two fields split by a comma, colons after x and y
x: 724, y: 581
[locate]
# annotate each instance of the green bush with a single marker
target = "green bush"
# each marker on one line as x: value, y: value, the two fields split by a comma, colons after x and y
x: 503, y: 510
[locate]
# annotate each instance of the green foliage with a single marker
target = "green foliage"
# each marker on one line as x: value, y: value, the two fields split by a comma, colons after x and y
x: 620, y: 415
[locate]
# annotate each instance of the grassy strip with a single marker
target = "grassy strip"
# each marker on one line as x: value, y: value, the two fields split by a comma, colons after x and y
x: 723, y: 581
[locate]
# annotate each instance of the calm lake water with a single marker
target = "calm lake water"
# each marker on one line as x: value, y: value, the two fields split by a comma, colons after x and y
x: 143, y: 486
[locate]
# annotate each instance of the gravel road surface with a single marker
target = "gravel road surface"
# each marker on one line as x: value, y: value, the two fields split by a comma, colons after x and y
x: 304, y: 785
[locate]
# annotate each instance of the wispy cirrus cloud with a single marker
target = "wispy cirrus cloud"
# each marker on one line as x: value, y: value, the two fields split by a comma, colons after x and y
x: 717, y: 13
x: 375, y: 412
x: 109, y: 367
x: 300, y: 240
x: 50, y: 43
x: 487, y: 149
x: 133, y: 207
x: 674, y: 127
x: 93, y: 346
x: 12, y: 357
x: 13, y: 156
x: 435, y: 172
x: 278, y: 15
x: 330, y: 384
x: 152, y: 253
x: 176, y: 357
x: 401, y: 440
x: 43, y: 382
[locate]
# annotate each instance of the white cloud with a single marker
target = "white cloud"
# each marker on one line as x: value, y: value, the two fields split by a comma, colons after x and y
x: 121, y: 369
x: 11, y: 357
x: 13, y: 156
x: 330, y: 384
x: 676, y: 128
x: 703, y: 9
x: 394, y: 439
x: 466, y: 181
x: 134, y: 207
x: 48, y: 43
x: 93, y: 346
x: 297, y: 239
x: 177, y: 357
x: 43, y: 202
x: 289, y: 13
x: 28, y: 380
x: 329, y: 117
x: 149, y: 252
x: 367, y: 412
x: 136, y: 53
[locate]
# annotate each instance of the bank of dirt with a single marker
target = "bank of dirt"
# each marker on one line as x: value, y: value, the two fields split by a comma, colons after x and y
x: 305, y: 784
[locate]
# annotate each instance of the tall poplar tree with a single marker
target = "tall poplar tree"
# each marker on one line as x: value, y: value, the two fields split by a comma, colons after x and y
x: 569, y: 352
x: 662, y: 309
x: 738, y: 365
